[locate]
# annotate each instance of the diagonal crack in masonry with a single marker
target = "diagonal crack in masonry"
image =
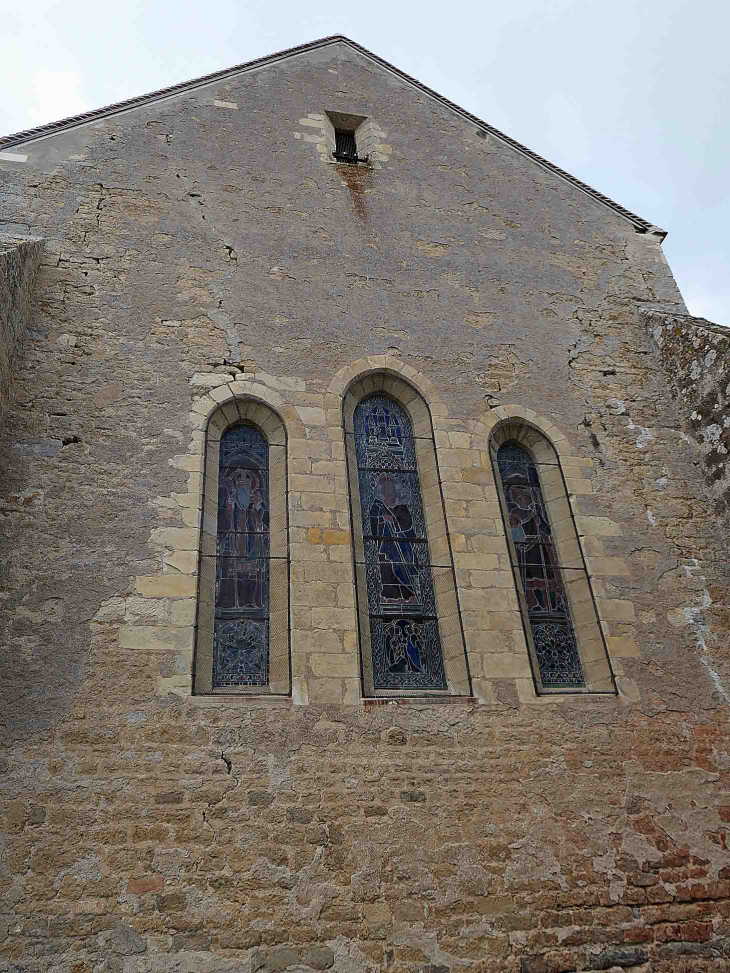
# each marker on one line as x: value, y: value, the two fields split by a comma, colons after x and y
x: 229, y: 771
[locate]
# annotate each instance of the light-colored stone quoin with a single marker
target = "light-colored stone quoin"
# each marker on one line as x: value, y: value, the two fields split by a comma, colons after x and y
x: 205, y: 261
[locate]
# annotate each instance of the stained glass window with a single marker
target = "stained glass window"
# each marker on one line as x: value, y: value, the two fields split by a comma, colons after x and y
x: 539, y: 571
x: 404, y: 630
x: 241, y: 627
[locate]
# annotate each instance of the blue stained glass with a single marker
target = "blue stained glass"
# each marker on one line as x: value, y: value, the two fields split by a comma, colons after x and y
x: 240, y: 639
x: 383, y: 437
x: 406, y: 653
x: 404, y: 635
x: 538, y: 566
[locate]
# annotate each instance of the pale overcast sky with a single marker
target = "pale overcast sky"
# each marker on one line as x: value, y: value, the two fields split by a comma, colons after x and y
x: 632, y: 96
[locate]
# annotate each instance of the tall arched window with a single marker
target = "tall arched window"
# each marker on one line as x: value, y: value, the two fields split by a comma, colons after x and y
x: 538, y: 569
x: 241, y: 630
x: 242, y: 626
x: 405, y: 641
x: 563, y: 633
x: 410, y: 629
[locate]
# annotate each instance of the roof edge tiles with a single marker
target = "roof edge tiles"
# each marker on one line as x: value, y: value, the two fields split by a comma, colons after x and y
x: 53, y: 128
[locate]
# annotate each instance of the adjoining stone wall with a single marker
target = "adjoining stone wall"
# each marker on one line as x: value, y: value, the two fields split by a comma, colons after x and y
x: 204, y: 248
x: 695, y: 354
x: 695, y: 357
x: 19, y: 260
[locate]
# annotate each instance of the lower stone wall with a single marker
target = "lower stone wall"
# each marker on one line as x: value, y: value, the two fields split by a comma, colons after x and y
x: 213, y: 836
x: 19, y: 259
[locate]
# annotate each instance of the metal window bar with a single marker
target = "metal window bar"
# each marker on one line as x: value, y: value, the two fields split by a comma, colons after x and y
x: 410, y: 438
x: 346, y: 147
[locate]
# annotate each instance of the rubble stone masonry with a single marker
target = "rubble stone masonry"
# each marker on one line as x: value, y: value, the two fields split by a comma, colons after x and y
x: 18, y: 263
x: 696, y: 357
x: 205, y: 249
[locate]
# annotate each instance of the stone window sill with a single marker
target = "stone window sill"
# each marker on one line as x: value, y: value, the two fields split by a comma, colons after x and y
x: 371, y: 702
x: 249, y: 699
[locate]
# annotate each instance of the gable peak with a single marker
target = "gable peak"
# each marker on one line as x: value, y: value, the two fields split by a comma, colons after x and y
x: 43, y: 131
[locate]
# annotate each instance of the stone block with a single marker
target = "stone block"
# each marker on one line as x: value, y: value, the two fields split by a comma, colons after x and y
x: 167, y: 586
x: 307, y: 642
x: 609, y: 567
x: 186, y: 562
x: 333, y: 665
x: 335, y: 536
x: 175, y: 538
x: 338, y: 619
x: 623, y: 648
x: 183, y: 611
x: 155, y: 638
x: 507, y: 666
x: 310, y: 483
x: 312, y: 416
x: 616, y: 609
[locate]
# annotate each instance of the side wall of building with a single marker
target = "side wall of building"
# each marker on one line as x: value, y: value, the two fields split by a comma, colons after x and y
x: 207, y: 246
x: 695, y: 354
x: 19, y: 259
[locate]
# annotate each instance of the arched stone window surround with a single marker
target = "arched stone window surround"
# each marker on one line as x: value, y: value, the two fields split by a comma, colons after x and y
x: 234, y: 410
x: 523, y: 430
x: 380, y: 380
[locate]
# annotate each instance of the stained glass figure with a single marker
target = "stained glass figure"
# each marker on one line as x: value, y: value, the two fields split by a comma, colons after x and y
x: 538, y: 566
x: 241, y: 633
x: 404, y: 633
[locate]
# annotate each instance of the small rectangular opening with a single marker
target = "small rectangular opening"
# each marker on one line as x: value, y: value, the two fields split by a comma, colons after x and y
x: 345, y: 146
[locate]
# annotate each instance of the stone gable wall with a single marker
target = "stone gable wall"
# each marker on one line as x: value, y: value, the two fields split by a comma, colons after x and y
x: 203, y: 247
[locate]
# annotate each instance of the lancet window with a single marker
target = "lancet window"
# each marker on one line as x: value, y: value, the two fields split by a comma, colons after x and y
x: 242, y: 622
x: 411, y: 641
x: 404, y: 633
x: 563, y: 633
x: 538, y: 569
x: 241, y: 632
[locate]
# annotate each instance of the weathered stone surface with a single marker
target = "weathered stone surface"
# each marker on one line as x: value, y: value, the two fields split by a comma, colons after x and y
x: 19, y: 259
x: 199, y: 248
x: 696, y: 357
x: 123, y: 940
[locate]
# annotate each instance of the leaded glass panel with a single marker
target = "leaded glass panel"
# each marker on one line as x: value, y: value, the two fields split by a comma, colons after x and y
x: 538, y: 567
x: 404, y: 633
x: 383, y: 435
x: 241, y: 632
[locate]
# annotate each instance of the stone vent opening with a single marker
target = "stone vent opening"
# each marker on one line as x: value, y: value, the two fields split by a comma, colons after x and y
x: 345, y: 146
x: 347, y: 136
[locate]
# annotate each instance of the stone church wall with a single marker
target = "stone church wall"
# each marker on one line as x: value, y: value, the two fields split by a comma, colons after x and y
x: 204, y: 247
x: 18, y: 263
x: 696, y: 356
